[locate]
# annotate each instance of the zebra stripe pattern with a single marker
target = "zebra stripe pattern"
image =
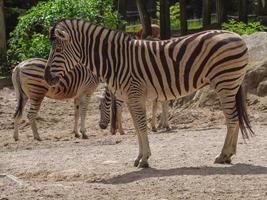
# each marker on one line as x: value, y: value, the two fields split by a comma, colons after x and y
x: 114, y: 114
x: 29, y: 83
x: 137, y: 70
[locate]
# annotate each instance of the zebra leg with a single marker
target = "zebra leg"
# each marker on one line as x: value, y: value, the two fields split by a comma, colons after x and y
x: 119, y: 120
x: 154, y: 115
x: 84, y: 101
x: 113, y: 115
x: 164, y: 116
x: 230, y: 143
x: 34, y: 108
x: 18, y: 114
x: 138, y: 112
x: 76, y: 117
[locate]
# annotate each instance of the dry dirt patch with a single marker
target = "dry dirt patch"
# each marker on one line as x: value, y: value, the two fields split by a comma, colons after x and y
x: 63, y: 167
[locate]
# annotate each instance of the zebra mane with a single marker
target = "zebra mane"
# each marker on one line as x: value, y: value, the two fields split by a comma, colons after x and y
x: 63, y: 21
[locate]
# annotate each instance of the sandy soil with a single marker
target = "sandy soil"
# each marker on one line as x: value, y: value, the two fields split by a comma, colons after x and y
x: 64, y: 167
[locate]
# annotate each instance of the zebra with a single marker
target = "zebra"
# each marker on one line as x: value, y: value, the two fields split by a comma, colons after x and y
x: 29, y: 83
x: 106, y: 103
x: 106, y: 109
x: 137, y: 70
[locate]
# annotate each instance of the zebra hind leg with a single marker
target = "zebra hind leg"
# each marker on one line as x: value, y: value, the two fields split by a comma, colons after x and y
x: 164, y: 116
x: 229, y: 108
x: 119, y: 120
x: 154, y: 115
x: 34, y: 108
x: 84, y: 101
x: 22, y: 100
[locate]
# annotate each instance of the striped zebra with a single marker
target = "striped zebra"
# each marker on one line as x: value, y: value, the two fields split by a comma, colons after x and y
x: 111, y: 111
x: 137, y: 70
x: 113, y: 114
x: 29, y: 83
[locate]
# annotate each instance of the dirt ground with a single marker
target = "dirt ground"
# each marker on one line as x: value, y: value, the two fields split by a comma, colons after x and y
x: 64, y: 167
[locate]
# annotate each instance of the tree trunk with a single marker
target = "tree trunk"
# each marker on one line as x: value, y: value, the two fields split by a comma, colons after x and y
x: 144, y: 18
x: 183, y: 17
x: 165, y: 25
x: 220, y: 12
x: 2, y: 30
x: 206, y: 13
x: 243, y: 11
x: 262, y: 11
x: 262, y: 7
x: 122, y: 8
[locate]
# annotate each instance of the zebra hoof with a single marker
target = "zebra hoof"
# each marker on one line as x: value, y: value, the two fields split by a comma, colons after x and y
x: 167, y: 128
x: 76, y: 134
x: 223, y: 159
x: 122, y: 133
x: 154, y: 129
x: 143, y: 164
x: 16, y: 139
x: 136, y: 163
x: 38, y: 139
x: 85, y: 136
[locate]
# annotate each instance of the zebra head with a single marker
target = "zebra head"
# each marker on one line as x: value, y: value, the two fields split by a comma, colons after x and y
x: 65, y: 54
x: 104, y: 107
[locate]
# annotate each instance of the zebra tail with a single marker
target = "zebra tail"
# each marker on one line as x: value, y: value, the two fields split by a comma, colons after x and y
x: 244, y: 122
x: 19, y: 92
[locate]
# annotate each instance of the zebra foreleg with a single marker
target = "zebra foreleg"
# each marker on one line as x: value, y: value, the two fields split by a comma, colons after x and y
x: 76, y: 117
x: 84, y: 101
x: 138, y: 113
x: 34, y: 108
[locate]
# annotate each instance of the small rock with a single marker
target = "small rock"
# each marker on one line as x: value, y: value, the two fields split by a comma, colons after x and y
x: 262, y: 89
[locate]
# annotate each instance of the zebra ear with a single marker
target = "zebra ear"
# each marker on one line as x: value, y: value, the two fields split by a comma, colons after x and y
x: 62, y: 35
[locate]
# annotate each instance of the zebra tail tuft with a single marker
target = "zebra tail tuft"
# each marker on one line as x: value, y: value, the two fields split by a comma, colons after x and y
x: 19, y: 92
x: 244, y: 122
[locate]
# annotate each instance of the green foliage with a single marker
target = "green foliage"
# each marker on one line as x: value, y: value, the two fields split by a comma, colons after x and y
x: 30, y: 37
x: 242, y: 28
x: 174, y: 15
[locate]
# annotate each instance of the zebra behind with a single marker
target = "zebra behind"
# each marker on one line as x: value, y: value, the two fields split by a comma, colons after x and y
x: 29, y: 84
x: 137, y: 70
x: 113, y: 113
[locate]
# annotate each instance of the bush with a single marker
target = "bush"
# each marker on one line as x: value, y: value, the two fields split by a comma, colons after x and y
x: 174, y: 15
x: 30, y: 37
x: 242, y: 28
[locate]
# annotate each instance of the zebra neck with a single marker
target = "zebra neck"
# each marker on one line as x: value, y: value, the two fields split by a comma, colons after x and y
x: 108, y: 54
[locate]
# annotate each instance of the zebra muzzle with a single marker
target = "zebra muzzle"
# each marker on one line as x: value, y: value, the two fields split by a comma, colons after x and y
x: 102, y: 126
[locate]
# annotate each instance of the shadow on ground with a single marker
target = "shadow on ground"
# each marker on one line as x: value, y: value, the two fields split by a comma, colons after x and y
x: 237, y: 169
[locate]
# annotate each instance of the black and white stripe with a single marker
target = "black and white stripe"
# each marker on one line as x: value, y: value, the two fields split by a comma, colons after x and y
x: 137, y: 70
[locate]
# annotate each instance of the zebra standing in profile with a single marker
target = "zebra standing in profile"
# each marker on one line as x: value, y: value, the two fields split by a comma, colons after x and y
x: 137, y: 70
x: 29, y: 83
